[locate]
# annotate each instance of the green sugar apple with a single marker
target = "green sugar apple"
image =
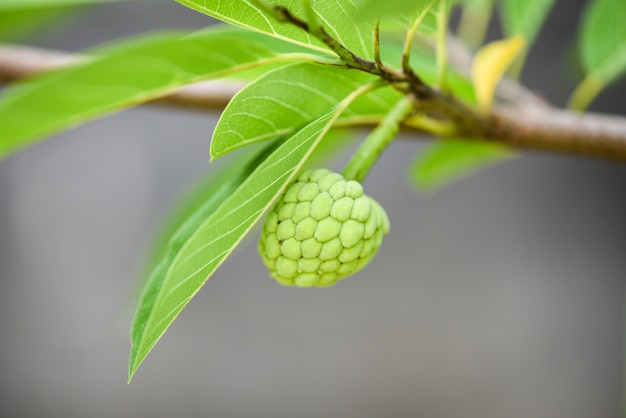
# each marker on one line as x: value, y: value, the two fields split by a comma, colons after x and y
x: 321, y: 230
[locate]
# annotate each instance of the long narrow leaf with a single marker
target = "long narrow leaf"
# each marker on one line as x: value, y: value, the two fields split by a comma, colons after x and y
x: 215, y: 239
x: 146, y: 69
x: 193, y: 208
x: 223, y: 184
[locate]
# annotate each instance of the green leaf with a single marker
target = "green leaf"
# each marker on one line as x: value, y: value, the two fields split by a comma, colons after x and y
x: 20, y: 24
x: 186, y: 218
x: 603, y: 39
x: 450, y: 159
x: 148, y: 68
x: 395, y: 26
x: 336, y: 16
x: 288, y: 97
x: 196, y: 204
x: 373, y: 9
x: 206, y: 248
x: 524, y: 17
x: 13, y: 5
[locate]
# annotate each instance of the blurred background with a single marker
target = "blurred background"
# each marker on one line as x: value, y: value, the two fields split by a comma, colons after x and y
x: 501, y: 295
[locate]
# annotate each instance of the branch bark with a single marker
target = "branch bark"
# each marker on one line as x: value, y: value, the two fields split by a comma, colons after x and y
x: 528, y: 126
x: 588, y: 134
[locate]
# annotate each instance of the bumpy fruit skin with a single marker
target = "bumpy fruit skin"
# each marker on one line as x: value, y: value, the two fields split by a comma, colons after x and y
x: 321, y: 230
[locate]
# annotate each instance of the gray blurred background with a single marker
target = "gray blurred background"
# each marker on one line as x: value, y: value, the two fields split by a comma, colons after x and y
x: 501, y: 295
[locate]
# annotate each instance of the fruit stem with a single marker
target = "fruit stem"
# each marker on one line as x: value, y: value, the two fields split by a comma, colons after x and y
x: 377, y: 141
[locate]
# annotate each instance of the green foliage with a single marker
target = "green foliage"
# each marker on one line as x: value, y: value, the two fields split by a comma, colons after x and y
x: 450, y: 160
x: 184, y: 225
x: 197, y: 255
x: 14, y: 5
x: 602, y: 47
x: 199, y: 200
x: 150, y: 67
x: 288, y: 97
x: 373, y: 9
x: 335, y: 15
x: 603, y: 39
x: 311, y: 66
x: 17, y: 25
x: 524, y: 17
x: 423, y: 59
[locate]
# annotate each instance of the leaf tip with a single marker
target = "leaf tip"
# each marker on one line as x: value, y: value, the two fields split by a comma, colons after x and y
x: 132, y: 366
x: 216, y: 150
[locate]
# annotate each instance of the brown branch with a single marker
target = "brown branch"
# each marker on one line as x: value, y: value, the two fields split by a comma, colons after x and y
x: 20, y: 61
x: 529, y: 127
x: 588, y: 134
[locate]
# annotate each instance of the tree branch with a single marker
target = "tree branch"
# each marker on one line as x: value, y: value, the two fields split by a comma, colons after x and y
x: 588, y: 134
x: 529, y: 126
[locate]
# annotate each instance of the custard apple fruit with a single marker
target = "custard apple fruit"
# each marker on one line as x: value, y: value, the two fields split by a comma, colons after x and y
x: 321, y: 230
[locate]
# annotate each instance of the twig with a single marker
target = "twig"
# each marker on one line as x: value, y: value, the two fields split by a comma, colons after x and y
x: 408, y: 43
x: 377, y: 59
x: 429, y: 100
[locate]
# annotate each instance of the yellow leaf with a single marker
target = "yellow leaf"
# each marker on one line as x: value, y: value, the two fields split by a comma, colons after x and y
x: 490, y: 63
